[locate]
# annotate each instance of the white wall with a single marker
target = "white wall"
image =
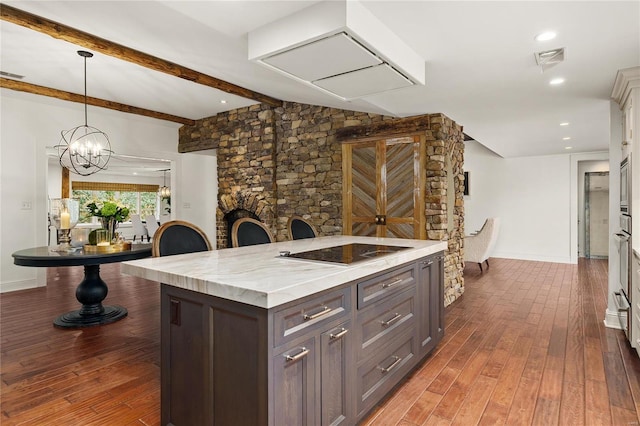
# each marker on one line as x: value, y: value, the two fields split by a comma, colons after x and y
x: 534, y: 197
x: 30, y: 124
x: 196, y: 207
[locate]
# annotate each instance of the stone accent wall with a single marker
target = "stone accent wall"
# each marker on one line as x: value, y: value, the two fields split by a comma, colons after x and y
x: 284, y: 161
x: 309, y: 164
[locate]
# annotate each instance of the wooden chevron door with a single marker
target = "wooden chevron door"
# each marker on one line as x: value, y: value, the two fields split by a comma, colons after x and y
x: 383, y: 188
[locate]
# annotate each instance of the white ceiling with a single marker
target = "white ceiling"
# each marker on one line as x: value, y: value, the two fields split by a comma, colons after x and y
x: 479, y: 62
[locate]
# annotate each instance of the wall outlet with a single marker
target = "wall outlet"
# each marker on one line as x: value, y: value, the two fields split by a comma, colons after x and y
x: 26, y: 205
x: 186, y: 205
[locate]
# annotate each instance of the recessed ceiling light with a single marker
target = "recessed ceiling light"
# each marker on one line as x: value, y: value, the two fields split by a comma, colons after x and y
x: 135, y: 173
x: 556, y: 81
x: 566, y: 138
x: 223, y: 101
x: 564, y: 124
x: 568, y: 147
x: 545, y: 36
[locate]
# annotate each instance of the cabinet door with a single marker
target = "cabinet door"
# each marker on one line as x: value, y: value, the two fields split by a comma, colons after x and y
x: 294, y: 385
x: 383, y: 191
x: 431, y: 300
x: 335, y: 387
x: 425, y: 294
x: 214, y: 360
x: 187, y: 398
x: 436, y: 303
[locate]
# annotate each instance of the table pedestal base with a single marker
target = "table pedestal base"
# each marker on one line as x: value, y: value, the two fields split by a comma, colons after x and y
x: 75, y: 319
x: 90, y: 293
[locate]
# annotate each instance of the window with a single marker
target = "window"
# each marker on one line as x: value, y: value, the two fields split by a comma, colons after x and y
x: 138, y: 198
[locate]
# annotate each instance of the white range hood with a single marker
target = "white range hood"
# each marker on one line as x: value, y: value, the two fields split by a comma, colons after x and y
x: 338, y: 47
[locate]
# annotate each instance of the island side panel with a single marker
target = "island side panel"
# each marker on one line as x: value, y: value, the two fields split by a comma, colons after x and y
x: 214, y: 360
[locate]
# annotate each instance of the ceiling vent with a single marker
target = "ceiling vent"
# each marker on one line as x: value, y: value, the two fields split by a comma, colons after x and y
x: 549, y: 58
x: 338, y: 47
x: 11, y: 75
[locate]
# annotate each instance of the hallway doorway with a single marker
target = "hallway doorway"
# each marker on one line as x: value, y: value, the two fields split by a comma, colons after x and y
x: 596, y: 215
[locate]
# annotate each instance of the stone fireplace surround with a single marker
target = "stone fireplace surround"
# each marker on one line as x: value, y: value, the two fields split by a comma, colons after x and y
x: 282, y: 161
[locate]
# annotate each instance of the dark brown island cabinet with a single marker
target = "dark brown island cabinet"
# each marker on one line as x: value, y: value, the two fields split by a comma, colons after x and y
x: 326, y: 359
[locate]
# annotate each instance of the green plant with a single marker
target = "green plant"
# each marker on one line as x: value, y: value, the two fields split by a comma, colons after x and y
x: 108, y: 209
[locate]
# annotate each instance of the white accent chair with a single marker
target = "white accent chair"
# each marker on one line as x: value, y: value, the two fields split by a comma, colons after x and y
x: 478, y: 247
x: 152, y: 225
x: 138, y: 228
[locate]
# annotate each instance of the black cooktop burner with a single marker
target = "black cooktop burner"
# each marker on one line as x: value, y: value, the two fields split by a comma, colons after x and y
x: 347, y: 254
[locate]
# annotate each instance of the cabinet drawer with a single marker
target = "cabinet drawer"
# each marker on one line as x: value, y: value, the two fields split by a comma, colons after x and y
x: 384, y: 370
x: 376, y: 288
x: 380, y: 323
x: 310, y: 314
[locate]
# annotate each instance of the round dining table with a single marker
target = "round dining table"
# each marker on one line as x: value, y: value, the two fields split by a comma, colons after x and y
x: 92, y: 290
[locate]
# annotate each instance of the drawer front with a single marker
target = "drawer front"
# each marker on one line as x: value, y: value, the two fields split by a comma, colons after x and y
x: 311, y: 314
x: 381, y: 323
x: 377, y: 288
x: 383, y: 371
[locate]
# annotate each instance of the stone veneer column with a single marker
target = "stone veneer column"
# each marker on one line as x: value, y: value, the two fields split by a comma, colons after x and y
x: 446, y: 139
x: 245, y: 142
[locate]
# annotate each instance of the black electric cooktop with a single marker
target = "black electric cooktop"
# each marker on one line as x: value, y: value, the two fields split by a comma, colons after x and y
x: 346, y: 254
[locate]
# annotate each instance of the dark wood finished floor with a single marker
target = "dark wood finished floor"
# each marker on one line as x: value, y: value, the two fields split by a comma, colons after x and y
x: 524, y: 345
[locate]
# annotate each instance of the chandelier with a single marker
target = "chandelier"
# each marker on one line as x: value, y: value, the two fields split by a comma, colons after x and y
x: 164, y: 191
x: 84, y: 150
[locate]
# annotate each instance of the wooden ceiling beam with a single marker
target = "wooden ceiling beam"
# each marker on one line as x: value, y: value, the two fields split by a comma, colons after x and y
x: 396, y: 126
x: 73, y: 97
x: 97, y: 44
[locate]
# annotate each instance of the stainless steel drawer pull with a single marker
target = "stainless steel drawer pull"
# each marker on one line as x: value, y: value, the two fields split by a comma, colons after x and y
x: 339, y: 334
x: 427, y: 263
x: 388, y: 322
x: 392, y: 366
x: 303, y: 352
x: 391, y: 284
x: 325, y: 310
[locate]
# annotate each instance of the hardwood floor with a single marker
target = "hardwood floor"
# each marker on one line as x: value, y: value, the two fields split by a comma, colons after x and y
x: 525, y: 345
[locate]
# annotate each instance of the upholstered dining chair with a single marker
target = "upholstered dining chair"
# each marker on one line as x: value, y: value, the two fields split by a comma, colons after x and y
x: 298, y: 228
x: 478, y: 247
x: 152, y: 225
x: 138, y: 228
x: 248, y: 232
x: 179, y: 237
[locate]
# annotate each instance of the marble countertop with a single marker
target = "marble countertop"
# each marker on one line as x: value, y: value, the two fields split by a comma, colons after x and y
x: 258, y: 276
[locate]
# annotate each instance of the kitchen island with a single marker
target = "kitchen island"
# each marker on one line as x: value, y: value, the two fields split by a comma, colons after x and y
x: 254, y: 335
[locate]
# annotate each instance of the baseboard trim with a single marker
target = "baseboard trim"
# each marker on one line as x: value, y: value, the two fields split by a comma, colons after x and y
x: 18, y: 285
x: 532, y: 257
x: 612, y: 319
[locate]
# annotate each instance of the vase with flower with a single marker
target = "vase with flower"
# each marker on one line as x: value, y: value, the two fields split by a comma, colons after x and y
x: 110, y: 214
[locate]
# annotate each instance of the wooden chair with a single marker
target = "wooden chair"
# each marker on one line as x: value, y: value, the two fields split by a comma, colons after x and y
x: 249, y: 232
x: 179, y: 237
x: 298, y: 228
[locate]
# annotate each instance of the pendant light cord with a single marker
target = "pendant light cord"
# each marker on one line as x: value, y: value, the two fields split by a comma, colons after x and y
x: 85, y: 91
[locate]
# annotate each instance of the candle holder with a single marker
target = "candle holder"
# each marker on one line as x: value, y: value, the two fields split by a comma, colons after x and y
x: 64, y: 214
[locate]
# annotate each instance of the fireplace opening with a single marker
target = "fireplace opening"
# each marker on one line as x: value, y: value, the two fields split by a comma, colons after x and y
x: 234, y: 215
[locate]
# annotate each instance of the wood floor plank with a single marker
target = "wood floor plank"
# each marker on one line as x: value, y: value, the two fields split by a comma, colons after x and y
x: 547, y: 412
x: 474, y: 404
x: 524, y: 402
x: 453, y: 399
